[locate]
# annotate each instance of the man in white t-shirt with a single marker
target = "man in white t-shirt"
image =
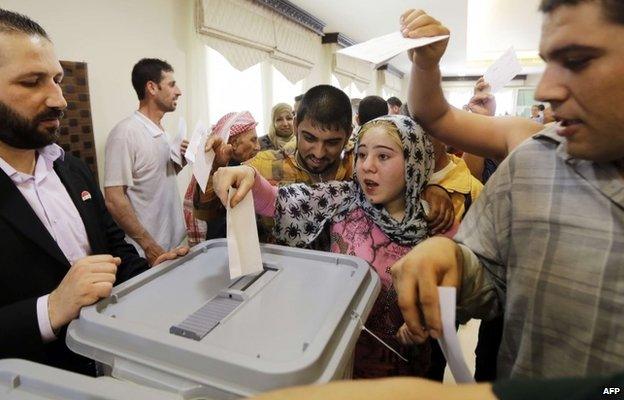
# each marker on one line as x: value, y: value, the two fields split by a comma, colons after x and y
x: 140, y: 176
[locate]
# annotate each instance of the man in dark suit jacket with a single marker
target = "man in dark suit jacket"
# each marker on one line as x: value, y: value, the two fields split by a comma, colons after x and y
x: 60, y: 248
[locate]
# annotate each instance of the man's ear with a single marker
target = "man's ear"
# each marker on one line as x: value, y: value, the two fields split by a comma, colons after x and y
x: 151, y: 87
x: 233, y: 141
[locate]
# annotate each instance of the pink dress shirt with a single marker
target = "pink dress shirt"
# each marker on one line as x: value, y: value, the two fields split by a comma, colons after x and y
x: 48, y: 198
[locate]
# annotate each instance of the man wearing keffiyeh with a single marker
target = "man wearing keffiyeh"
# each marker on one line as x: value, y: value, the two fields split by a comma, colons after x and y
x: 203, y: 212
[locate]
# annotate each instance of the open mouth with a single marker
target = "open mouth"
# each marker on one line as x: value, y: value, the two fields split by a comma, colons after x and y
x: 567, y: 126
x: 569, y: 122
x: 370, y: 185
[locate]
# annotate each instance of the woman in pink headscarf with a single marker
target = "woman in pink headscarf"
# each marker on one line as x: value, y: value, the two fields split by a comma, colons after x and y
x: 204, y: 213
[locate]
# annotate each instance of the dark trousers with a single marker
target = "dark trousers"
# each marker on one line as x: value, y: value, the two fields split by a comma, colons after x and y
x: 438, y: 362
x: 490, y: 335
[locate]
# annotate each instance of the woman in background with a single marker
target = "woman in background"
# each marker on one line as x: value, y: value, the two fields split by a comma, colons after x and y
x: 281, y: 129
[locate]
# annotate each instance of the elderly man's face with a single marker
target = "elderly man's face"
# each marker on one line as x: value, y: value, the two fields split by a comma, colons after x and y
x: 245, y: 145
x: 31, y: 101
x: 583, y: 82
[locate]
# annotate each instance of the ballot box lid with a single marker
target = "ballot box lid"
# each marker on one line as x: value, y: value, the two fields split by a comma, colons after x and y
x: 26, y: 380
x: 188, y: 328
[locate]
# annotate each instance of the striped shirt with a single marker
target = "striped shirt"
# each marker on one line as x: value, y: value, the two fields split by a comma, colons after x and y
x: 545, y: 241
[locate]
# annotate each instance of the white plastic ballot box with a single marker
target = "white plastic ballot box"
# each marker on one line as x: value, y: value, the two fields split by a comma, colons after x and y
x: 187, y: 329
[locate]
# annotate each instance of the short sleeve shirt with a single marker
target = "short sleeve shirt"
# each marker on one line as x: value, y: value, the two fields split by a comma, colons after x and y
x: 138, y: 156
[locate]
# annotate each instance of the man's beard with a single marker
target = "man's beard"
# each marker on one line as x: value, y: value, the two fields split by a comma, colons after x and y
x: 164, y: 107
x: 21, y: 133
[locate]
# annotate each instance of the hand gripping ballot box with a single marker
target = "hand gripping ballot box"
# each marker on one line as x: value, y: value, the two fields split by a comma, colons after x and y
x: 188, y: 329
x: 26, y: 380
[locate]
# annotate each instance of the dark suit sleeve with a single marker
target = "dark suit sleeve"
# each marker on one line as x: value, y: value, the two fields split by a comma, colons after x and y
x: 20, y: 329
x: 114, y: 242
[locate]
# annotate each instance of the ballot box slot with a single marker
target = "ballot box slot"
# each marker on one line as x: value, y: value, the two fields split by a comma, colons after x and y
x: 197, y: 325
x: 244, y: 282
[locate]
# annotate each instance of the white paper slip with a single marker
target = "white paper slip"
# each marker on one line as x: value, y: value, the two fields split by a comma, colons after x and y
x: 203, y: 163
x: 381, y: 49
x: 176, y: 142
x: 449, y: 343
x: 198, y: 133
x: 242, y: 237
x: 503, y: 70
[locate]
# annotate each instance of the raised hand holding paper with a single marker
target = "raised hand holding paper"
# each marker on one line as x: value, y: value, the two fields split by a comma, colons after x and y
x: 242, y: 237
x: 204, y: 159
x: 381, y: 49
x: 449, y: 342
x: 503, y: 70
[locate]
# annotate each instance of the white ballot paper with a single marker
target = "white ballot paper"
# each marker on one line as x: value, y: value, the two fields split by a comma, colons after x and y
x: 203, y: 163
x: 381, y: 49
x: 449, y: 343
x: 176, y: 142
x: 503, y: 70
x: 198, y: 133
x: 242, y: 237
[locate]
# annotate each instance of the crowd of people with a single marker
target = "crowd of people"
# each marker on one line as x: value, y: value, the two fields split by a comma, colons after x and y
x: 526, y: 224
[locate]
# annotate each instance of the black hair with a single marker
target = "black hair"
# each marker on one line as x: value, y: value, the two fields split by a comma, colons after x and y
x: 12, y: 22
x: 370, y: 108
x: 394, y: 101
x: 146, y: 70
x: 326, y: 107
x: 299, y: 97
x: 612, y: 9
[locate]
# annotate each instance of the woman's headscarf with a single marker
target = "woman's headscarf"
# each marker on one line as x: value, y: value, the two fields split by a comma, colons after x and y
x: 279, y: 141
x: 302, y: 211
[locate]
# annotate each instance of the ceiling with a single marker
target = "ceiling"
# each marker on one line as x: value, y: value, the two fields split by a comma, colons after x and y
x: 362, y: 20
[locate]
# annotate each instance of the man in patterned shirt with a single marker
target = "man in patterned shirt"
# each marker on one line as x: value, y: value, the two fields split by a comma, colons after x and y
x: 544, y: 239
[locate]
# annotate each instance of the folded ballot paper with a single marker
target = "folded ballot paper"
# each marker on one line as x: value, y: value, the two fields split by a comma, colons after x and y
x: 195, y: 154
x: 380, y: 50
x: 449, y: 342
x: 176, y: 142
x: 242, y: 237
x: 503, y: 70
x: 200, y: 130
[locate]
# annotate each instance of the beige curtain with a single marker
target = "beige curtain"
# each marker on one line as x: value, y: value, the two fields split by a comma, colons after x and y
x: 247, y: 33
x: 391, y: 83
x: 347, y: 70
